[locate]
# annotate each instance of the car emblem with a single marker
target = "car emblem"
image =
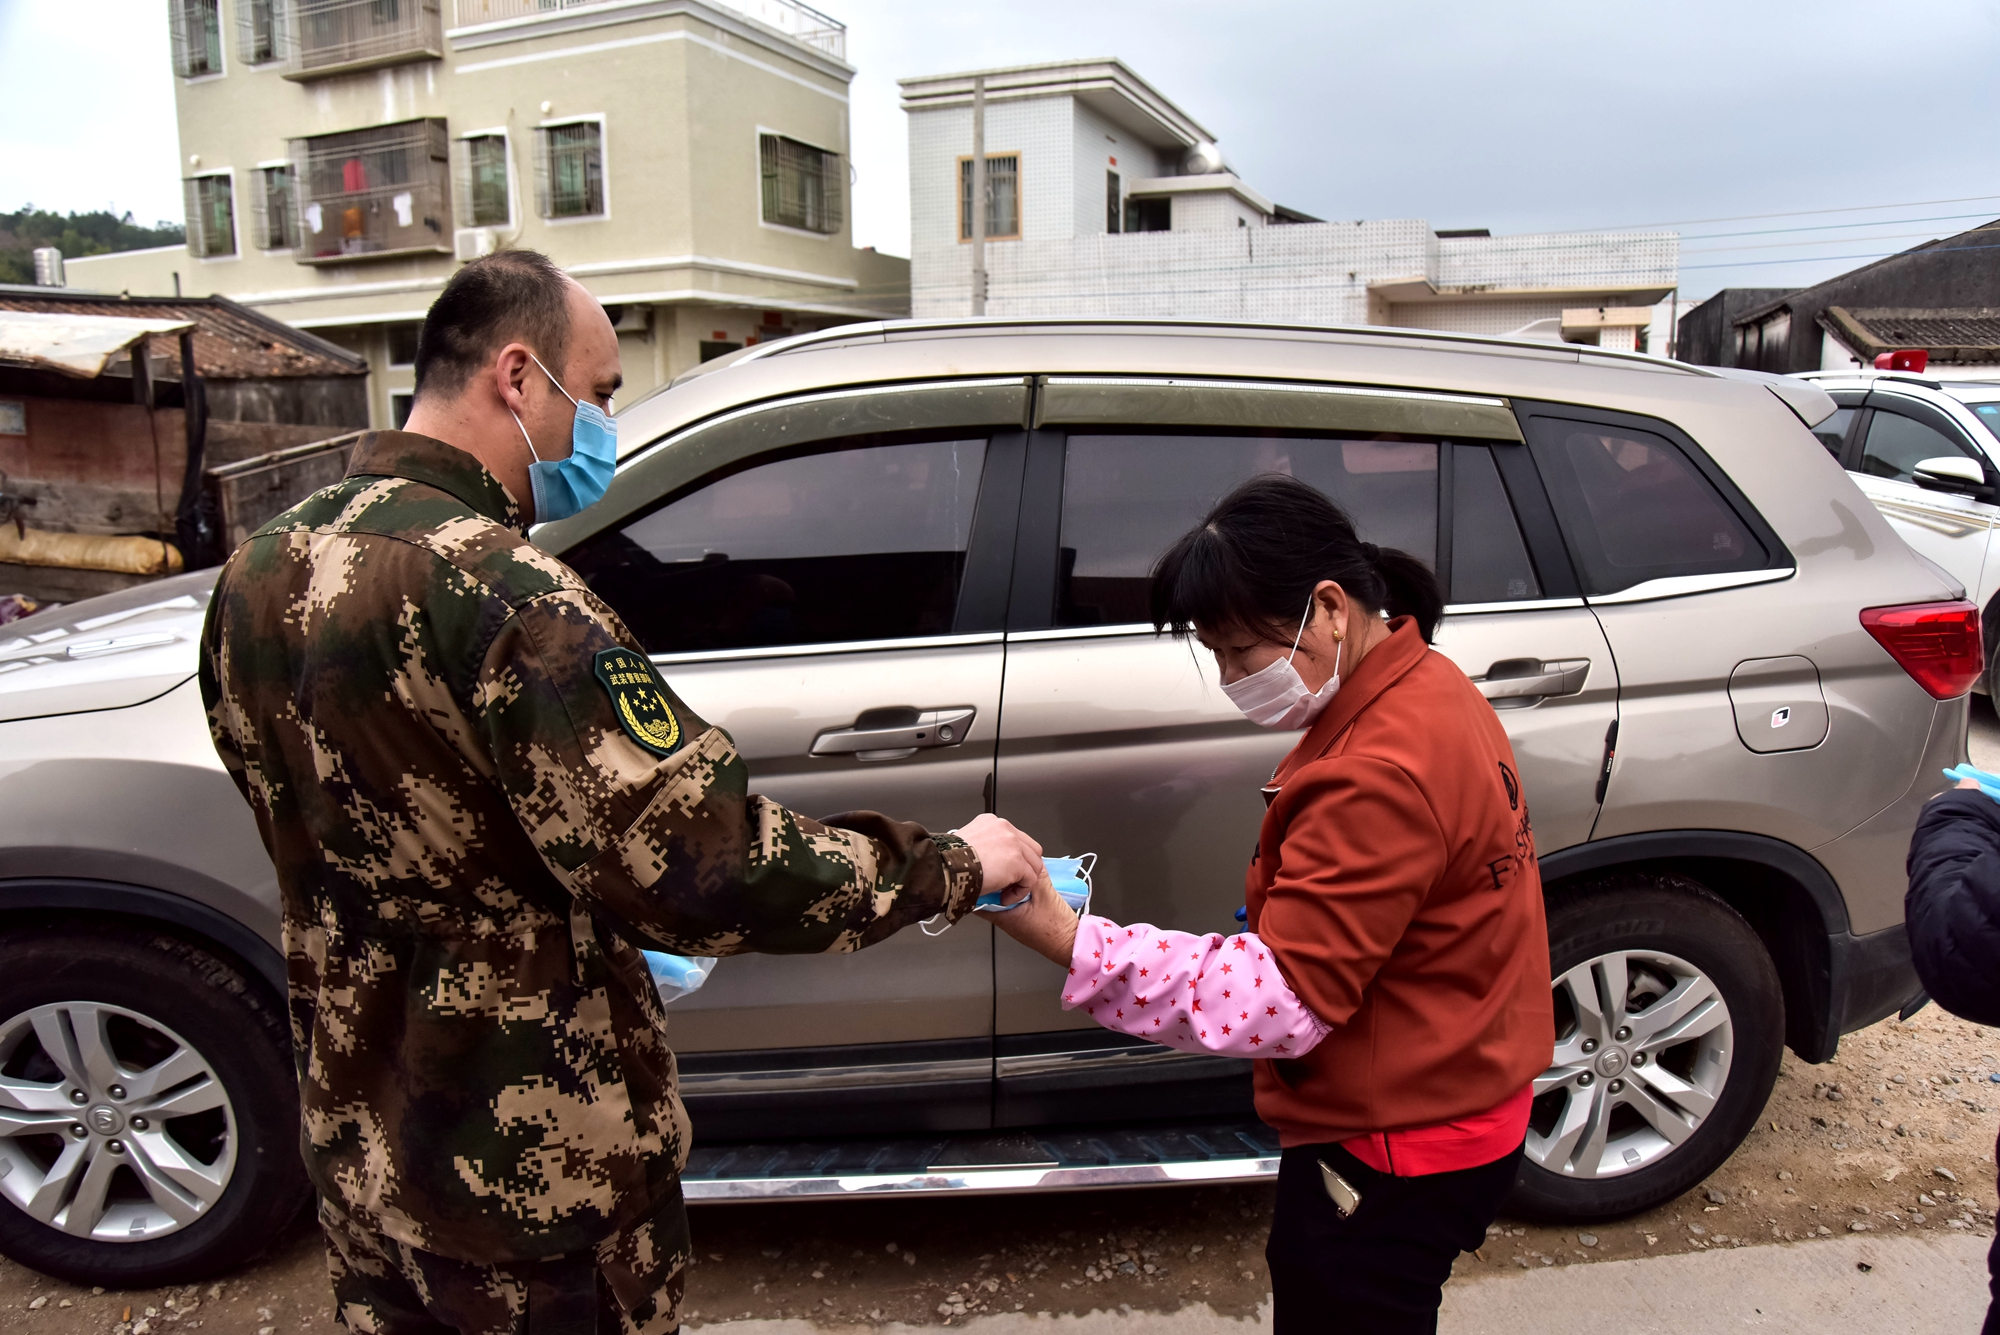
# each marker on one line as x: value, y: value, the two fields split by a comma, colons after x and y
x: 1780, y: 717
x: 105, y: 1121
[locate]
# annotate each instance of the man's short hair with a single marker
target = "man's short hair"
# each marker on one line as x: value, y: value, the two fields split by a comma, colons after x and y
x: 510, y: 296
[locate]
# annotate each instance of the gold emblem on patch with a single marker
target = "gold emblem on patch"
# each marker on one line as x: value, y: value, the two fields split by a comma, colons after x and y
x: 640, y: 699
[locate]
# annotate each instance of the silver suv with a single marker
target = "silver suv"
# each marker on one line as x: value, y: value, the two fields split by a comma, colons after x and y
x: 905, y: 566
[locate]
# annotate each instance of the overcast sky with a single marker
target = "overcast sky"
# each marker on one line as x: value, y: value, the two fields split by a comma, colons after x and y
x: 1541, y: 115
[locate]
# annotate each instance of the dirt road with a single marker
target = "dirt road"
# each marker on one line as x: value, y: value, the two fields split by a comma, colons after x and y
x: 1855, y: 1146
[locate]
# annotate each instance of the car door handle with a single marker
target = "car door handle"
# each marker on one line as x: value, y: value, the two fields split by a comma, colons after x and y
x: 1524, y: 681
x: 896, y: 733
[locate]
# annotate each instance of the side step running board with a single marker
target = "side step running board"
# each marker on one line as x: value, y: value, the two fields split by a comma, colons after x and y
x: 991, y: 1163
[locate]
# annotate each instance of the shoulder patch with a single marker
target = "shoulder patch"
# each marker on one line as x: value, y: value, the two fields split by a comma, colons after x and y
x: 639, y: 698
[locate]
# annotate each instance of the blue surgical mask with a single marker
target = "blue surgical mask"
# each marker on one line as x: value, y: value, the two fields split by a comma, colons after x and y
x: 562, y: 487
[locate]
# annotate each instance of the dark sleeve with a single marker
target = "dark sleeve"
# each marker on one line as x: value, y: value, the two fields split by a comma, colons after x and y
x: 1953, y: 904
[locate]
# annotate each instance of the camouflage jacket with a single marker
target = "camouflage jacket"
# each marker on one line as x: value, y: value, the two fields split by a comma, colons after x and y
x: 479, y: 794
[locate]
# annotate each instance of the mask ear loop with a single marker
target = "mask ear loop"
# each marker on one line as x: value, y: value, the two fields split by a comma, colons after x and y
x: 1302, y: 631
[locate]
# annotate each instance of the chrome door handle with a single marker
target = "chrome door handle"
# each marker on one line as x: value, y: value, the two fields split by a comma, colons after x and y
x: 1526, y: 681
x: 896, y: 734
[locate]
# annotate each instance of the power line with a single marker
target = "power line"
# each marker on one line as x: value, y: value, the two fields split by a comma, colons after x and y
x: 1796, y: 213
x: 1829, y: 227
x: 1828, y: 241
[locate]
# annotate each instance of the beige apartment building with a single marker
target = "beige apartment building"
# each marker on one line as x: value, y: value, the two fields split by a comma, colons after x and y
x: 686, y: 160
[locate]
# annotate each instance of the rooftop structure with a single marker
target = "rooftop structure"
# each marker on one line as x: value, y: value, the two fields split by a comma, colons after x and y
x: 1107, y: 199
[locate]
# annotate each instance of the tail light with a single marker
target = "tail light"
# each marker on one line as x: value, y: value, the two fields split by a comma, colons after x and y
x: 1904, y: 359
x: 1938, y: 644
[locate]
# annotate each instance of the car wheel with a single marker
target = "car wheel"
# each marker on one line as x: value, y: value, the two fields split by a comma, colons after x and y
x: 1669, y: 1028
x: 148, y: 1108
x: 1989, y: 627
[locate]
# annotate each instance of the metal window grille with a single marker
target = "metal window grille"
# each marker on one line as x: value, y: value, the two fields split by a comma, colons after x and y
x: 1114, y: 204
x: 1003, y: 197
x: 260, y: 31
x: 379, y: 191
x: 276, y: 209
x: 479, y: 174
x: 569, y: 170
x: 329, y: 35
x: 211, y: 215
x: 802, y: 185
x: 196, y: 27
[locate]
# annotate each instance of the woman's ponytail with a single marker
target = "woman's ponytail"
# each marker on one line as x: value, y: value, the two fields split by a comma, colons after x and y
x: 1256, y: 557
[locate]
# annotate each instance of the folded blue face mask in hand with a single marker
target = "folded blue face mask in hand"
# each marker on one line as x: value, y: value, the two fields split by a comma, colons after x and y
x: 1989, y: 784
x: 1072, y: 881
x: 677, y: 975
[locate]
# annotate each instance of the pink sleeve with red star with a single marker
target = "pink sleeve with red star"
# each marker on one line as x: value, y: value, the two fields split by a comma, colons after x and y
x: 1216, y: 994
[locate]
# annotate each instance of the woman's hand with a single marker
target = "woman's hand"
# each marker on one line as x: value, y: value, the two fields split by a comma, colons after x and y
x: 1044, y: 924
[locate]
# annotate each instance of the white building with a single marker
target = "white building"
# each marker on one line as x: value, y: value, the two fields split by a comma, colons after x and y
x: 1106, y: 199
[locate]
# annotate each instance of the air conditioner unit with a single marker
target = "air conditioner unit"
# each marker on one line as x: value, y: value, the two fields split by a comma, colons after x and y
x: 469, y: 243
x: 630, y: 319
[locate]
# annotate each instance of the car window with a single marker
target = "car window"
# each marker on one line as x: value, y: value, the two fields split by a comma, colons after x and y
x: 862, y: 543
x: 1989, y: 417
x: 1832, y: 433
x: 1489, y: 561
x: 1634, y: 507
x: 1895, y: 443
x: 1127, y: 497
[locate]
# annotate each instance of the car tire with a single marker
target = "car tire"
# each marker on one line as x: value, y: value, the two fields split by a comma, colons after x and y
x: 1649, y: 1094
x: 187, y: 1168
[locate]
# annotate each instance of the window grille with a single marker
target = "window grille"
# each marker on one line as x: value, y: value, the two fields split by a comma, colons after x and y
x: 569, y: 170
x: 802, y: 185
x: 332, y: 35
x: 1003, y: 197
x: 211, y: 215
x: 1114, y: 204
x: 260, y: 31
x: 276, y: 211
x: 479, y: 171
x: 196, y: 27
x: 379, y: 191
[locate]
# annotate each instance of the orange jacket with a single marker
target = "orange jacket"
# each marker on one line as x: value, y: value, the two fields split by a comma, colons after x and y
x: 1396, y: 885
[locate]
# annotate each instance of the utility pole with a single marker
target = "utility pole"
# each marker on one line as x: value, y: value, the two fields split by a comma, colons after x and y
x: 978, y: 202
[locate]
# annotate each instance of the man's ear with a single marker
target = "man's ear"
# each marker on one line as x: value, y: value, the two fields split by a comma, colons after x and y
x: 510, y: 371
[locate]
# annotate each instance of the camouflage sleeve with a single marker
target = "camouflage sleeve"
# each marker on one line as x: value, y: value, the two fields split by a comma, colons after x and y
x: 644, y: 810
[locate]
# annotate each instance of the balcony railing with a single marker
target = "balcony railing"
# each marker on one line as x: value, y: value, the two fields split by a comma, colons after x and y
x: 323, y: 37
x: 367, y: 194
x: 789, y: 17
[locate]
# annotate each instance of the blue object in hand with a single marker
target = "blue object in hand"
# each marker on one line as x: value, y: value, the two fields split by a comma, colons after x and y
x: 1071, y: 877
x: 677, y: 975
x: 1989, y: 784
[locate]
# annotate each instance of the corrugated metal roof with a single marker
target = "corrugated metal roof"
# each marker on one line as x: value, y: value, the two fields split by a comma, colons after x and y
x: 74, y: 345
x: 231, y: 342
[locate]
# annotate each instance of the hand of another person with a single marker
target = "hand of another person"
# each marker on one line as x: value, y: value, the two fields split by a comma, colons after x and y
x: 1007, y: 857
x: 1044, y: 924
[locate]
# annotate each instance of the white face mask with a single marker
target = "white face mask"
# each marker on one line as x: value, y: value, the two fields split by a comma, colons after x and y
x: 1275, y: 697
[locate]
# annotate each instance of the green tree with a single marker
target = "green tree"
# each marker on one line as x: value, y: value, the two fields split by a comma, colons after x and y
x: 75, y: 235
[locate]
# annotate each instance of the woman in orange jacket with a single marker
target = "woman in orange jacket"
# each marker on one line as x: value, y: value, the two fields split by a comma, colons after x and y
x: 1394, y: 981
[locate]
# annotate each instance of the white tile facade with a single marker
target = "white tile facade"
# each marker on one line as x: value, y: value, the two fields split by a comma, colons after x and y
x: 1211, y: 267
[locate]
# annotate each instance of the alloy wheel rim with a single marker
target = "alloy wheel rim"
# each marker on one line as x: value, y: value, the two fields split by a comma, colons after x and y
x: 1643, y: 1048
x: 113, y: 1128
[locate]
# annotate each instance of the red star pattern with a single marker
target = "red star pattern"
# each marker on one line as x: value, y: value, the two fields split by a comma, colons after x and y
x: 1270, y: 1010
x: 1254, y: 1040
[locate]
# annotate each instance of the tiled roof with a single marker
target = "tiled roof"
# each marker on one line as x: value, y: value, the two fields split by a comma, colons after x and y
x: 231, y: 342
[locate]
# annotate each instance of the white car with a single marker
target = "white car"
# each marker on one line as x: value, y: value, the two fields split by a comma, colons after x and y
x: 1926, y: 451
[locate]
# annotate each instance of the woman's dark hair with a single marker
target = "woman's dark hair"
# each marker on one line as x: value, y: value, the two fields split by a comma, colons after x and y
x: 1255, y: 559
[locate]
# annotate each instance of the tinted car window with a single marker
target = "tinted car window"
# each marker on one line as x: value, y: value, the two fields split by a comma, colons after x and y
x: 1989, y: 417
x: 864, y: 543
x: 1489, y: 561
x: 1895, y: 443
x: 1634, y: 507
x: 1126, y: 498
x: 1832, y: 433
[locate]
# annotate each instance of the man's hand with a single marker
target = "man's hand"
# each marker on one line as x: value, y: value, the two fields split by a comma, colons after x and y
x: 1044, y: 924
x: 1007, y: 857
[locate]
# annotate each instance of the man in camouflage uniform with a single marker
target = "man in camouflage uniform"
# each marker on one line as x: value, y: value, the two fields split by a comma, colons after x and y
x: 479, y: 794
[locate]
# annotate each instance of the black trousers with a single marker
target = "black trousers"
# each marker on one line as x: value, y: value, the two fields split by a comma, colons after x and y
x: 1992, y: 1324
x: 1383, y: 1268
